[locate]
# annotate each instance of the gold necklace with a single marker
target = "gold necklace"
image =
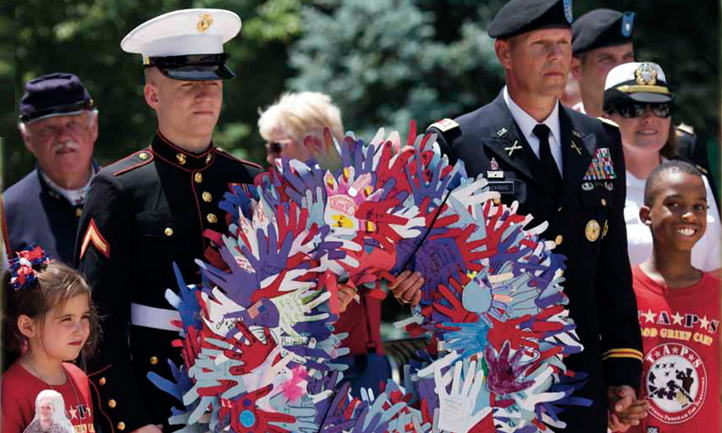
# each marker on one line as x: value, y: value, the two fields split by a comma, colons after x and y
x: 67, y: 378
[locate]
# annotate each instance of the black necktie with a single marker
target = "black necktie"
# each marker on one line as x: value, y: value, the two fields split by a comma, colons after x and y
x: 549, y: 167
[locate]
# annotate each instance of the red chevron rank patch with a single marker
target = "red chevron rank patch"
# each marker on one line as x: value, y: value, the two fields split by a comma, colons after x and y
x: 92, y: 235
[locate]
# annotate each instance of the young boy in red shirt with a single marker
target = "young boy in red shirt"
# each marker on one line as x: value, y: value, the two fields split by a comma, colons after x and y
x: 679, y: 308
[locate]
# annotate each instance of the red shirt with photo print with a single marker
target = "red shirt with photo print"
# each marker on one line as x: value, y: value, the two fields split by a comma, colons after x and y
x: 19, y: 389
x: 680, y: 335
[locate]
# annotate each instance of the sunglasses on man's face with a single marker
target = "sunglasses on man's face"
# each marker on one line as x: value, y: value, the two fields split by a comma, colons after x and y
x: 636, y: 109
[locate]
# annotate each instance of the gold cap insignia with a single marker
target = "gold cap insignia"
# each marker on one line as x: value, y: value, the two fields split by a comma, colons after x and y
x: 204, y: 22
x: 646, y: 75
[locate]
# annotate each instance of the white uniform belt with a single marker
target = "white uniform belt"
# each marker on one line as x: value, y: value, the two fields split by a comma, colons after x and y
x: 152, y: 317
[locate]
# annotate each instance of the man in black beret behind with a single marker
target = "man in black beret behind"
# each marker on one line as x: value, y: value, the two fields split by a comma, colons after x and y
x: 601, y: 40
x: 567, y: 169
x: 59, y: 125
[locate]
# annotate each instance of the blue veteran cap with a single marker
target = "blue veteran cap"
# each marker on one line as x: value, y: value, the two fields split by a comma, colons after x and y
x: 521, y: 16
x: 56, y: 94
x: 186, y: 44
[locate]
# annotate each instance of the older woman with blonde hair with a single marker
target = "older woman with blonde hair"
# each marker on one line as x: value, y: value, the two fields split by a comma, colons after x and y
x: 284, y: 125
x: 294, y: 116
x: 637, y: 98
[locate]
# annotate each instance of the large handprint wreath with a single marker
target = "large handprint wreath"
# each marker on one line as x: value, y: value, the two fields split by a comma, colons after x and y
x: 257, y: 335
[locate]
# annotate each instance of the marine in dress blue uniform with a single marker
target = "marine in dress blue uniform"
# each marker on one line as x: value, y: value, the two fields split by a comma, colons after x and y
x: 37, y: 209
x: 146, y: 212
x: 584, y: 211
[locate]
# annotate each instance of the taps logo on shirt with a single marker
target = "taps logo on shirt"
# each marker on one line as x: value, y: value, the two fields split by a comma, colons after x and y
x: 676, y: 382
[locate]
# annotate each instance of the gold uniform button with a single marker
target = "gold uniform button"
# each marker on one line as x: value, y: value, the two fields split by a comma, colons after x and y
x: 212, y: 218
x: 102, y: 381
x: 78, y: 212
x: 153, y: 360
x: 181, y: 158
x: 168, y: 231
x: 121, y: 426
x: 143, y: 156
x: 111, y: 404
x: 604, y: 202
x: 559, y: 239
x: 198, y: 178
x: 207, y: 197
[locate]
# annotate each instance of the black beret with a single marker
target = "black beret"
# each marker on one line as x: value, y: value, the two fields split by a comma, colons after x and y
x: 601, y: 28
x: 57, y: 94
x: 521, y: 16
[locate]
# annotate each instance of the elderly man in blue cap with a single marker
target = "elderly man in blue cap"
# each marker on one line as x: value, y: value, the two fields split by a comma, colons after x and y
x: 59, y: 125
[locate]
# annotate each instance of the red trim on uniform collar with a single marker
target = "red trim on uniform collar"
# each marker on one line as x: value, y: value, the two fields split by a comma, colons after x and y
x: 174, y: 155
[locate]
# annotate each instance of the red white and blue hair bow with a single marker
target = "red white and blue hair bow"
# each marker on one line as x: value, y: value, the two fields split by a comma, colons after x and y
x: 22, y: 271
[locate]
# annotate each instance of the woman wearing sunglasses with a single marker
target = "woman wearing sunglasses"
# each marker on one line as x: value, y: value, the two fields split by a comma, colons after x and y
x: 638, y: 99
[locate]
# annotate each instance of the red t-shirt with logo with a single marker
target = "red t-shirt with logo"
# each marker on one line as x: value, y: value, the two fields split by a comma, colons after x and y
x: 20, y: 388
x: 680, y: 335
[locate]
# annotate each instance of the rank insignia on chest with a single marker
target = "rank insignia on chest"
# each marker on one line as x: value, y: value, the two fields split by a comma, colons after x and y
x: 601, y: 167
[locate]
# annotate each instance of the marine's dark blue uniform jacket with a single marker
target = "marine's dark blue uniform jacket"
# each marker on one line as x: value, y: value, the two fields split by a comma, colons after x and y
x: 585, y: 219
x: 144, y: 213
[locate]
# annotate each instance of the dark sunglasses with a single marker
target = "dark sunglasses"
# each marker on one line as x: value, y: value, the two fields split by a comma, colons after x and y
x: 275, y: 147
x: 636, y: 109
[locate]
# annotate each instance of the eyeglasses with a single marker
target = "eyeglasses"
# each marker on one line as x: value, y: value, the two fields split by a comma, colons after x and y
x: 636, y: 109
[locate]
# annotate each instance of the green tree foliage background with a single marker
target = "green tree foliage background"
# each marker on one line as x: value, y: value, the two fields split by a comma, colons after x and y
x: 384, y: 62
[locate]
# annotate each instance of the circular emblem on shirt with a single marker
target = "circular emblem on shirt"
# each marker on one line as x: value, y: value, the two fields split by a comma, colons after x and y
x: 676, y: 382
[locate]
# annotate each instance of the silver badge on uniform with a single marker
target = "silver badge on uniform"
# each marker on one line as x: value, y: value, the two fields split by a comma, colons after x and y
x: 587, y: 186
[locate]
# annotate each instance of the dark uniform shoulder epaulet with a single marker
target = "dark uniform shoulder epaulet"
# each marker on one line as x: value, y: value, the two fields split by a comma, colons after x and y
x: 444, y: 125
x: 226, y: 154
x: 685, y: 129
x: 609, y: 122
x: 131, y: 162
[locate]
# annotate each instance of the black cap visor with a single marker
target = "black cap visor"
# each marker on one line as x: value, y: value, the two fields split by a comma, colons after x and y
x: 198, y: 73
x: 208, y: 67
x: 613, y: 97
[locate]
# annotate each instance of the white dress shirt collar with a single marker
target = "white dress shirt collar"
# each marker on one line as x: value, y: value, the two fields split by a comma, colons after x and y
x: 527, y: 123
